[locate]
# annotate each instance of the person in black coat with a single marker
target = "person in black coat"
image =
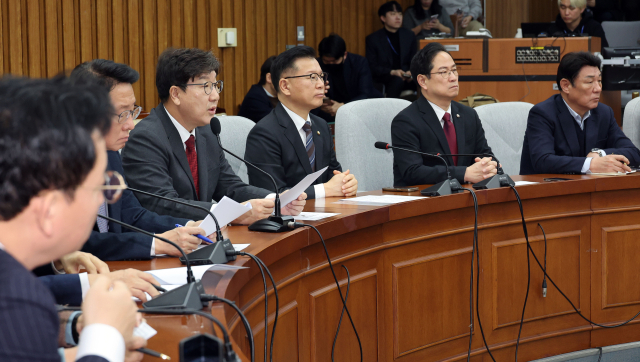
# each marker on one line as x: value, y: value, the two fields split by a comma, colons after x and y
x: 389, y: 51
x: 261, y: 98
x: 573, y: 20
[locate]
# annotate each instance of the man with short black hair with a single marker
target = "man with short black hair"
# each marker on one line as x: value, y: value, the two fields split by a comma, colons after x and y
x: 261, y: 98
x: 572, y: 132
x: 436, y: 124
x: 174, y: 153
x: 290, y: 143
x: 389, y: 51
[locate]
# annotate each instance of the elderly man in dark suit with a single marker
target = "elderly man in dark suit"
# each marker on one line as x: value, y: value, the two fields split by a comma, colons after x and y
x: 572, y: 132
x: 174, y: 153
x: 52, y: 164
x: 389, y: 51
x: 436, y: 124
x: 291, y: 143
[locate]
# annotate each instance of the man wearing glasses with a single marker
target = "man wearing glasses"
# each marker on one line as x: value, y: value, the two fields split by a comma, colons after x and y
x: 110, y: 241
x: 290, y: 143
x: 173, y: 151
x: 436, y: 124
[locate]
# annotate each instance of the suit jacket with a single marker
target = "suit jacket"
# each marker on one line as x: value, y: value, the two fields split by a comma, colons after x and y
x: 357, y: 77
x: 551, y: 142
x: 28, y: 317
x: 154, y: 160
x: 380, y: 54
x: 66, y: 288
x: 275, y: 146
x: 121, y: 243
x: 256, y: 104
x: 418, y: 128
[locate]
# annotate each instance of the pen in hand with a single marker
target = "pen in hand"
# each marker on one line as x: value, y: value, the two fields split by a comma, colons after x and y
x: 201, y: 237
x: 153, y: 353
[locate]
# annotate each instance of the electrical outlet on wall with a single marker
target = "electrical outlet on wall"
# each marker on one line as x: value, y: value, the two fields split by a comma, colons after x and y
x: 227, y: 37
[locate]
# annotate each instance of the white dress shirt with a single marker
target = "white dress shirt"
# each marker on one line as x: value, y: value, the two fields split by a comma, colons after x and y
x: 440, y: 112
x: 578, y: 118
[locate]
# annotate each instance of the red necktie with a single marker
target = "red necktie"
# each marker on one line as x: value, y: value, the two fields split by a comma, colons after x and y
x: 450, y: 133
x: 192, y: 156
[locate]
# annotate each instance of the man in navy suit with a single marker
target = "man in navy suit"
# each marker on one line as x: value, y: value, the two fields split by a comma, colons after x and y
x: 389, y: 51
x: 261, y: 98
x: 290, y: 143
x: 110, y: 241
x: 52, y: 164
x: 572, y: 132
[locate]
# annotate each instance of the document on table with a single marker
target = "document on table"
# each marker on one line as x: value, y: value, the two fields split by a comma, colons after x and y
x: 178, y: 276
x: 611, y: 173
x: 298, y: 189
x: 314, y: 216
x: 380, y: 199
x: 522, y: 183
x: 225, y: 212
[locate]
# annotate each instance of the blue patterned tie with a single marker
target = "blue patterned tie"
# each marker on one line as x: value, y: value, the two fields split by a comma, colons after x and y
x: 311, y: 148
x: 103, y: 225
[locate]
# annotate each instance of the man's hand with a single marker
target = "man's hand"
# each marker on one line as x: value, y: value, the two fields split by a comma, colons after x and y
x: 341, y: 184
x: 609, y: 163
x: 73, y: 262
x: 260, y: 209
x: 465, y: 21
x: 397, y: 73
x: 137, y: 281
x: 294, y: 207
x: 331, y: 108
x: 431, y: 24
x: 131, y: 355
x: 480, y: 170
x: 183, y: 236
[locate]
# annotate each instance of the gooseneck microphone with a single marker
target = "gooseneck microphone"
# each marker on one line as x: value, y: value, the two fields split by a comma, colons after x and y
x: 184, y: 297
x: 446, y: 187
x: 221, y: 252
x: 501, y: 179
x: 275, y: 223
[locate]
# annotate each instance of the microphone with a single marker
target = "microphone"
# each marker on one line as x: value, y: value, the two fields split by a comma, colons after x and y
x: 275, y: 223
x: 501, y: 179
x: 446, y: 187
x: 184, y: 297
x: 221, y: 252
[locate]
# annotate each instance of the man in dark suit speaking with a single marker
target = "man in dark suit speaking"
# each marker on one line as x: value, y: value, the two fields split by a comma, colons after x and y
x: 52, y: 164
x: 436, y: 124
x: 290, y: 143
x: 572, y: 132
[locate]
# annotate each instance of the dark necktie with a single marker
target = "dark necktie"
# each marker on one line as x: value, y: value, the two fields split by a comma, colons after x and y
x: 311, y: 148
x: 450, y: 133
x: 103, y: 224
x: 193, y: 161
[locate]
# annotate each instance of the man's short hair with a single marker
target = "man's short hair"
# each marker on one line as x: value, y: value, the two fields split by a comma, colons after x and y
x: 106, y: 73
x: 422, y: 62
x: 571, y: 64
x: 332, y: 46
x: 580, y: 4
x: 286, y: 61
x: 45, y: 137
x: 266, y: 69
x: 389, y: 6
x: 176, y: 67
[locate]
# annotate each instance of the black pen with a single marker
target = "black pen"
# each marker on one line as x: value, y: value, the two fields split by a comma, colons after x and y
x: 159, y: 288
x: 153, y: 353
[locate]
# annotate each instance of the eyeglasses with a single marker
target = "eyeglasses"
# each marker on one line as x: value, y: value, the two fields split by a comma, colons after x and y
x: 208, y: 86
x: 313, y: 76
x: 122, y: 117
x: 447, y: 73
x: 113, y: 186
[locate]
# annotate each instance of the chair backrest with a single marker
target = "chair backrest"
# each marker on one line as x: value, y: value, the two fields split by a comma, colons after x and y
x: 504, y: 126
x: 631, y: 121
x: 622, y: 33
x: 359, y: 125
x: 233, y: 135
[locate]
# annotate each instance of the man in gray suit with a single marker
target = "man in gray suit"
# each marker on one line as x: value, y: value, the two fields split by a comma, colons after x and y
x: 174, y: 153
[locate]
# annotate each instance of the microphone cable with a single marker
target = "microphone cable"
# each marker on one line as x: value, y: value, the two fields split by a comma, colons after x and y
x: 247, y: 326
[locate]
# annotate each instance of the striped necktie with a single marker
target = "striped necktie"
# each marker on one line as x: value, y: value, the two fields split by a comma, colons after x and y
x: 311, y: 148
x: 103, y: 225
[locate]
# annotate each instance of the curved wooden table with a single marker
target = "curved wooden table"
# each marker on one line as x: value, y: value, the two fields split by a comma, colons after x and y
x: 410, y: 265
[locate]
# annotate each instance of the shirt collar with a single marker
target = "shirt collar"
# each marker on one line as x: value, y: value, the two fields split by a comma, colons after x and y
x: 578, y: 118
x: 184, y: 134
x: 269, y: 94
x: 1, y: 246
x: 439, y: 111
x: 297, y: 120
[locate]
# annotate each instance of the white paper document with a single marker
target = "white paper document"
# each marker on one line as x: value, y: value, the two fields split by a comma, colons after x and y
x: 144, y: 330
x: 314, y: 216
x: 225, y: 212
x: 381, y: 199
x: 522, y: 183
x: 612, y: 173
x: 298, y: 189
x: 178, y: 276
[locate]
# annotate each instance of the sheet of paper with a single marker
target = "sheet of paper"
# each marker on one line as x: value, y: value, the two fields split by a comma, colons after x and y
x: 380, y: 199
x: 178, y: 276
x: 144, y: 330
x: 225, y: 212
x: 314, y: 216
x: 522, y: 183
x: 611, y: 173
x: 298, y: 189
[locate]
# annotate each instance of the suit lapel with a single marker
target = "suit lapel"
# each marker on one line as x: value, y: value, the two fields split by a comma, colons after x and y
x: 293, y: 136
x: 430, y: 118
x: 177, y: 147
x: 592, y: 131
x: 568, y: 128
x: 458, y: 124
x: 203, y: 174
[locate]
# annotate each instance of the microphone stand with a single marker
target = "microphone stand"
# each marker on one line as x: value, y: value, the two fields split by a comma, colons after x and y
x: 184, y: 297
x: 501, y: 179
x: 221, y: 252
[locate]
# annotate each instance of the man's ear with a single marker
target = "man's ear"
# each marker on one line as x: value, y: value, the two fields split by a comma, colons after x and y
x: 422, y: 81
x: 565, y: 84
x: 47, y: 206
x: 284, y: 87
x: 174, y: 94
x: 268, y: 78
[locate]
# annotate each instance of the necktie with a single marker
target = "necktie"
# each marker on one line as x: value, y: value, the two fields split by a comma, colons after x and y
x: 192, y: 156
x: 311, y: 148
x: 103, y: 225
x: 450, y: 133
